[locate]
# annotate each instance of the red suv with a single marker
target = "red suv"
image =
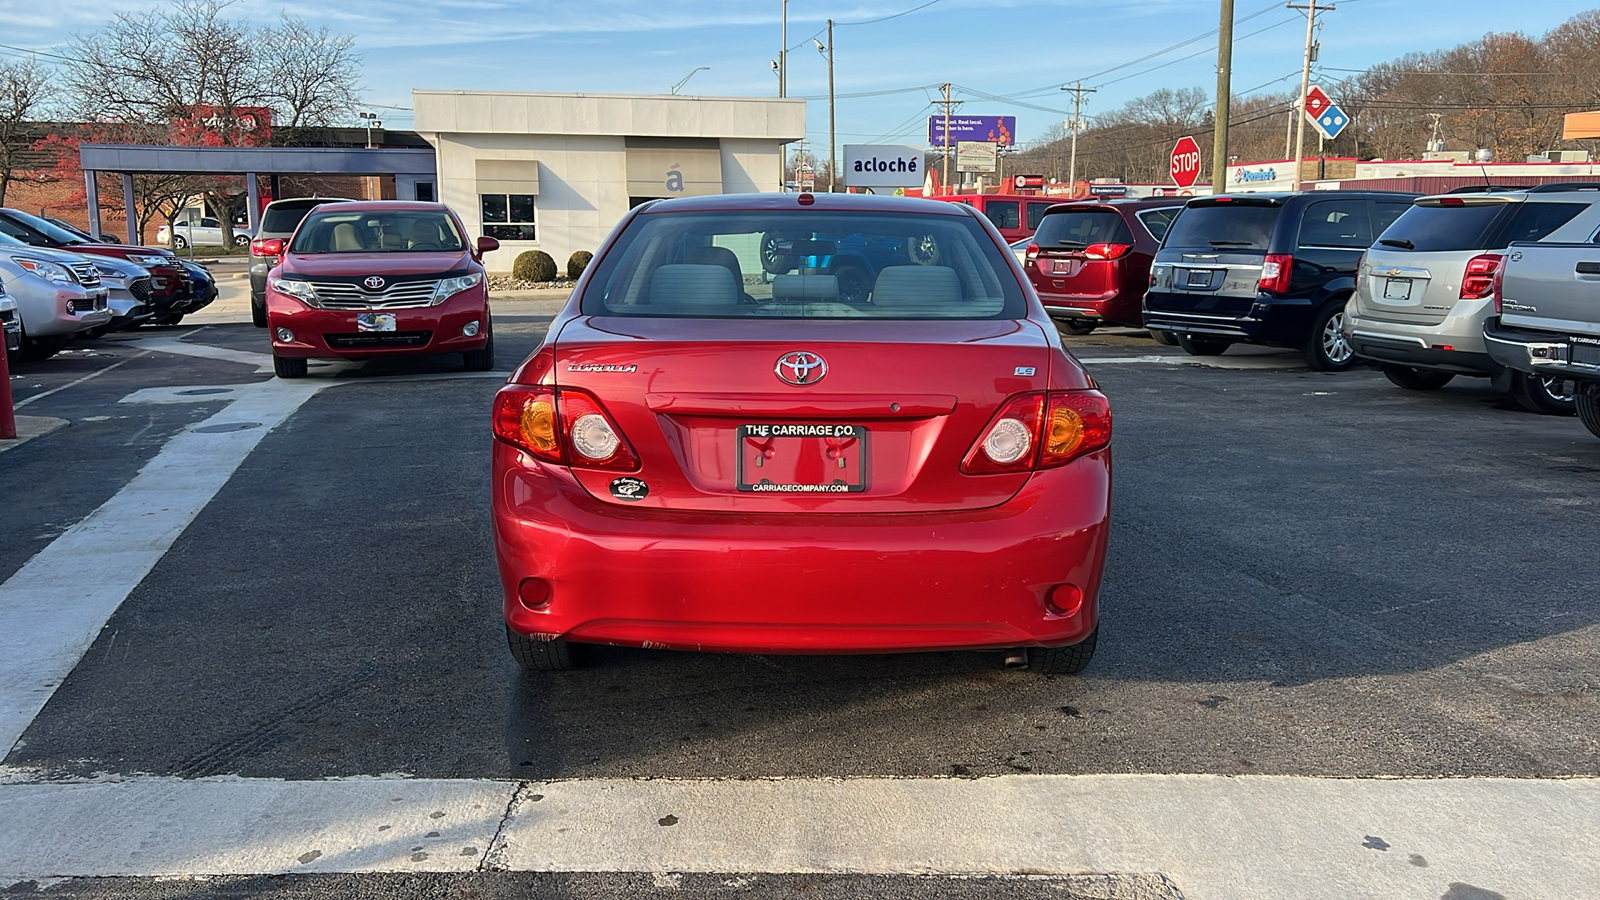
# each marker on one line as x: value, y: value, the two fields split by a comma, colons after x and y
x: 1090, y: 261
x: 368, y: 279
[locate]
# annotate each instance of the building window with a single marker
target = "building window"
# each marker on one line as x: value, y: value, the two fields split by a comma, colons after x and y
x: 508, y: 217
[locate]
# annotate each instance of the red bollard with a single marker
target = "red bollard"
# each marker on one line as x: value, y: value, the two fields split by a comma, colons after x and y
x: 8, y: 415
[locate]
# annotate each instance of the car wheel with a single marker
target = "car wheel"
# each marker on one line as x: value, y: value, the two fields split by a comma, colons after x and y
x: 179, y: 241
x: 95, y: 333
x: 773, y: 262
x: 1329, y: 350
x: 539, y: 656
x: 258, y: 312
x: 1546, y: 396
x: 241, y: 240
x: 854, y: 284
x: 1588, y: 408
x: 290, y: 366
x: 1076, y: 326
x: 1199, y: 346
x: 1417, y: 379
x: 38, y: 349
x: 1164, y: 337
x: 923, y: 250
x: 1064, y: 660
x: 481, y: 360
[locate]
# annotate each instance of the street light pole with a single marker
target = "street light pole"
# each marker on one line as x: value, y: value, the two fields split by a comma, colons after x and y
x: 1305, y: 85
x: 783, y: 55
x: 1219, y: 130
x: 685, y: 79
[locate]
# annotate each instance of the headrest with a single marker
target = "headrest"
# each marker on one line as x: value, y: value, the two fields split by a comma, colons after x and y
x: 934, y: 287
x: 691, y: 285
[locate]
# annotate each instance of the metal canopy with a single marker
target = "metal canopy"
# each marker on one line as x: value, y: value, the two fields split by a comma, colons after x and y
x: 409, y: 166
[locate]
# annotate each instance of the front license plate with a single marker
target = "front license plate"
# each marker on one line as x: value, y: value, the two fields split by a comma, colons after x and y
x: 375, y: 321
x: 1199, y: 278
x: 1397, y: 289
x: 1584, y: 351
x: 803, y: 458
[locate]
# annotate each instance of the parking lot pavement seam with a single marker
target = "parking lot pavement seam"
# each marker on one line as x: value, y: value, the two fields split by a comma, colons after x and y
x: 494, y: 851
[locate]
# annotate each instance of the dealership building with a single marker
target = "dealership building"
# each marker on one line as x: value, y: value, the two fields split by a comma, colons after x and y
x: 555, y: 172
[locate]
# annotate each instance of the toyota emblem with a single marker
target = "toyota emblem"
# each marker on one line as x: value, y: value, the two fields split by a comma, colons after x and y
x: 801, y: 367
x: 374, y: 282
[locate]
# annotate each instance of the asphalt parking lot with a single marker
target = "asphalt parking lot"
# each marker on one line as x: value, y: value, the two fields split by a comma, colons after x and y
x: 1310, y: 574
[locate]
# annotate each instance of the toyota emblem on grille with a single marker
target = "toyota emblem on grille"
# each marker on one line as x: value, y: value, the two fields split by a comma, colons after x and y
x: 801, y: 367
x: 374, y: 282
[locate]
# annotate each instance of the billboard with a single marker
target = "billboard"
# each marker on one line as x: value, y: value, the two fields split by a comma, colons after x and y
x: 1000, y: 130
x: 882, y: 166
x: 975, y: 156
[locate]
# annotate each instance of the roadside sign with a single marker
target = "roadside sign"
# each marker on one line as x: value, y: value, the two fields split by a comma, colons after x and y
x: 1317, y: 101
x: 1185, y: 162
x: 1108, y: 190
x: 975, y: 156
x: 1000, y: 130
x: 882, y: 166
x: 1331, y: 122
x: 1026, y: 182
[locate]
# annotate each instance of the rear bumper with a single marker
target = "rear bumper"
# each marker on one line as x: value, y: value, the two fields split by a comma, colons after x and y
x: 801, y: 583
x: 1536, y: 352
x: 318, y: 332
x: 1276, y: 321
x: 1112, y: 307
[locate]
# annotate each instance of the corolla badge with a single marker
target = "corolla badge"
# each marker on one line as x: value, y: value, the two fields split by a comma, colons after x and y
x: 374, y: 282
x: 801, y: 367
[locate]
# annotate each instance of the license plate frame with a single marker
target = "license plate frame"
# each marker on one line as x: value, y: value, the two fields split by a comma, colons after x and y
x: 1199, y: 279
x: 376, y: 321
x: 798, y: 457
x: 1064, y: 267
x: 1591, y: 351
x: 1392, y: 289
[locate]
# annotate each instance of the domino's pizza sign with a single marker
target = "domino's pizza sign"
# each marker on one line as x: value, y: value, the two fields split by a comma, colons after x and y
x: 1332, y: 121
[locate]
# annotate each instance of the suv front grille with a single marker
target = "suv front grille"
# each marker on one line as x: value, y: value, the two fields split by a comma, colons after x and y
x: 379, y: 339
x: 140, y: 288
x: 87, y: 274
x: 343, y: 295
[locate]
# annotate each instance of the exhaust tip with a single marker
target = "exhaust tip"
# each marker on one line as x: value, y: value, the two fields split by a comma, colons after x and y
x: 1016, y: 659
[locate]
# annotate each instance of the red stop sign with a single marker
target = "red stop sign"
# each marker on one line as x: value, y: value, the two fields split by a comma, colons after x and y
x: 1185, y: 162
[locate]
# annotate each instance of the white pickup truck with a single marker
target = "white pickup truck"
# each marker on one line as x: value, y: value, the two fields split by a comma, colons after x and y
x: 1547, y: 322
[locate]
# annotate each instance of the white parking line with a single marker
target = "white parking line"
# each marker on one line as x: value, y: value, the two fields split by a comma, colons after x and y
x: 55, y: 605
x: 262, y: 361
x: 1216, y: 837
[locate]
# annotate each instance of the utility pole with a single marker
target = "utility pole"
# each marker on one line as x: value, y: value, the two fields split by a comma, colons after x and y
x: 833, y: 160
x: 947, y: 145
x: 1305, y: 85
x: 783, y: 56
x: 1078, y: 90
x: 1219, y: 130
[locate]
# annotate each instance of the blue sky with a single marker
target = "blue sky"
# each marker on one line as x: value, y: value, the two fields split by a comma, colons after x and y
x: 1000, y: 48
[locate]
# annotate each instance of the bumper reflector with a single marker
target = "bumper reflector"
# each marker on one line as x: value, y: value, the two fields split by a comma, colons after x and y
x: 1064, y: 600
x: 534, y: 593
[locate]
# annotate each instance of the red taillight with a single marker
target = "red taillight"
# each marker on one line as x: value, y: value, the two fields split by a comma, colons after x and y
x: 1040, y: 431
x: 266, y: 247
x: 1275, y: 270
x: 1497, y: 287
x: 1032, y: 252
x: 1107, y: 250
x: 561, y: 426
x: 1479, y: 281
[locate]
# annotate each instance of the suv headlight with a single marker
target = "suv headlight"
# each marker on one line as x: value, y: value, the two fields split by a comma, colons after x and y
x: 450, y: 287
x: 300, y: 290
x: 49, y: 271
x: 152, y: 260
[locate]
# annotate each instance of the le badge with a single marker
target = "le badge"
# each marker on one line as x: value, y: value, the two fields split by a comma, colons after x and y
x: 630, y: 489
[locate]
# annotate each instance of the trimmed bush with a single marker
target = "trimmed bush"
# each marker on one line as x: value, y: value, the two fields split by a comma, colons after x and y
x: 577, y: 262
x: 533, y: 265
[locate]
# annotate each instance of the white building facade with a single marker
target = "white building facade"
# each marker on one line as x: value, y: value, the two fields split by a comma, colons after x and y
x: 556, y: 172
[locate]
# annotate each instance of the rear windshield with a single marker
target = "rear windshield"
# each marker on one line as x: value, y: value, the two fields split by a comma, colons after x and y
x: 1223, y: 227
x: 801, y: 264
x: 284, y: 219
x: 1078, y: 228
x: 1438, y: 229
x: 332, y: 230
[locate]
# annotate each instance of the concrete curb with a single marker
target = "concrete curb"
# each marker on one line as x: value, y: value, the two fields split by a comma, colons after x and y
x: 30, y: 427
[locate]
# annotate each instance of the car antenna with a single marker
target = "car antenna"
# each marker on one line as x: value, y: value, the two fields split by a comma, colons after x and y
x: 1487, y: 187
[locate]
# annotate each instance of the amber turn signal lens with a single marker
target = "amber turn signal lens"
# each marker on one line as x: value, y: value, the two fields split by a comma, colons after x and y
x: 539, y: 425
x: 1066, y: 432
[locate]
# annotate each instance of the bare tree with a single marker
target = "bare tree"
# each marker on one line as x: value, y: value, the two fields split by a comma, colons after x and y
x: 25, y: 89
x: 311, y: 75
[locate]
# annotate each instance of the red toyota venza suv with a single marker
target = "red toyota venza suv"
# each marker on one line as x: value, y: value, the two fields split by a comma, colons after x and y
x: 380, y: 278
x: 718, y: 447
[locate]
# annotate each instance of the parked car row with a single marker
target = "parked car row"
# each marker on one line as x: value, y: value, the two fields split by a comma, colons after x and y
x: 65, y: 284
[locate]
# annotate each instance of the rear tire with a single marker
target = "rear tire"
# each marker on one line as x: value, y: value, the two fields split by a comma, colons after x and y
x: 854, y: 284
x: 1417, y: 379
x: 1164, y: 337
x: 240, y: 240
x: 1538, y: 394
x: 481, y: 360
x: 290, y: 367
x: 1077, y: 326
x: 1327, y: 349
x: 1588, y: 408
x: 1199, y: 346
x: 258, y: 312
x: 539, y: 656
x: 1064, y: 660
x: 179, y: 242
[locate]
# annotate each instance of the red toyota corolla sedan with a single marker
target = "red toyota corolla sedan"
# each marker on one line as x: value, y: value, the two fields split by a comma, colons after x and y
x: 713, y: 450
x: 379, y: 278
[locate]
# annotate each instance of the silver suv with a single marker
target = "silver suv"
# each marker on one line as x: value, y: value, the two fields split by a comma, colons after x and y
x: 1425, y: 288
